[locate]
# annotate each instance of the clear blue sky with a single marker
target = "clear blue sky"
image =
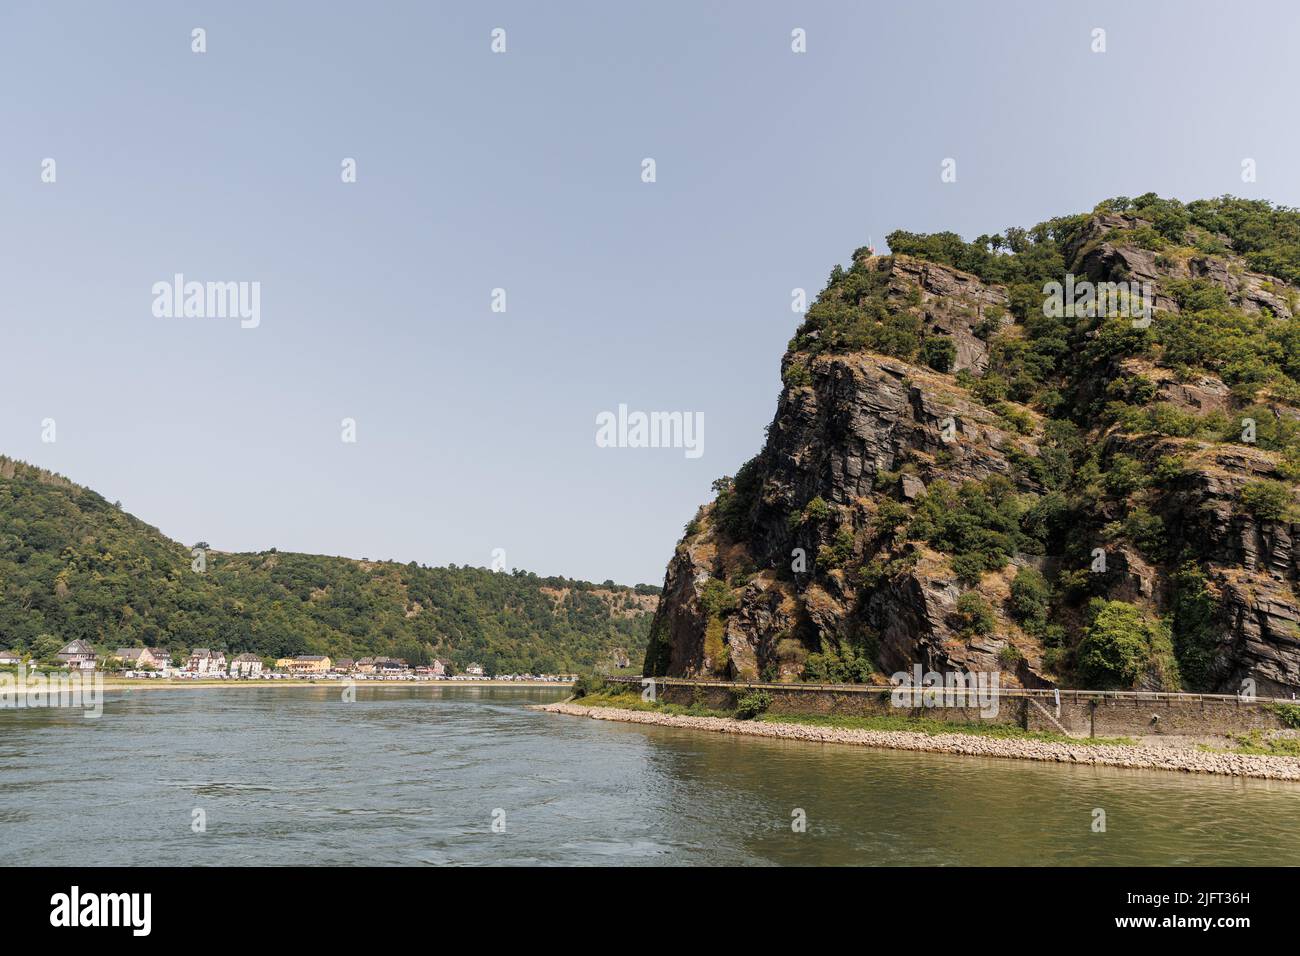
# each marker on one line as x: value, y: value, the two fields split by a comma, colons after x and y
x: 476, y: 430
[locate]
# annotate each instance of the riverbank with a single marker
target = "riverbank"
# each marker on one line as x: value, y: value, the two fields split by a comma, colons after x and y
x: 1126, y: 755
x: 161, y: 683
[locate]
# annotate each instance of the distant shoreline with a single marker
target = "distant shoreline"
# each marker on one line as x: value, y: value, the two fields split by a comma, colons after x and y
x: 163, y: 683
x: 1132, y: 757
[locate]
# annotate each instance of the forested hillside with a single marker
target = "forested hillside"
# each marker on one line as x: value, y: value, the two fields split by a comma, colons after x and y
x: 73, y: 565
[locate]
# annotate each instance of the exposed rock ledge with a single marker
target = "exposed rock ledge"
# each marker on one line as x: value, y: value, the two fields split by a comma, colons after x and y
x: 974, y: 745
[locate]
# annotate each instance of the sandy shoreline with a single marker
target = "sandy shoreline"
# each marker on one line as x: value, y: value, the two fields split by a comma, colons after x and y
x: 1102, y: 755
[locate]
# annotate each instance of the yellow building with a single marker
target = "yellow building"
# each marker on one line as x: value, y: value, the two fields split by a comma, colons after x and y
x: 310, y: 664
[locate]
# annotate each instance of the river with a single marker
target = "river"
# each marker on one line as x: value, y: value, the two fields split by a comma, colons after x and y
x: 465, y: 775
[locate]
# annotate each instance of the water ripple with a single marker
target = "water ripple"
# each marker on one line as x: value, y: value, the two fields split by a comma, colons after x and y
x: 414, y: 777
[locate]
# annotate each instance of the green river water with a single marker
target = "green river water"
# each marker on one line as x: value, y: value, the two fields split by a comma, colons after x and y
x: 418, y: 775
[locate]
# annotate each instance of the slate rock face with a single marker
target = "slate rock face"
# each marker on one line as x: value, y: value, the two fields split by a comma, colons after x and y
x: 861, y: 432
x: 1251, y: 564
x: 952, y: 303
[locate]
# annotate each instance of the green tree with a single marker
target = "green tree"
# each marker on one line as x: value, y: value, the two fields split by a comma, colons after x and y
x: 939, y: 352
x: 1194, y: 633
x: 1120, y: 646
x: 45, y: 648
x: 1031, y: 597
x: 974, y: 615
x: 1267, y: 500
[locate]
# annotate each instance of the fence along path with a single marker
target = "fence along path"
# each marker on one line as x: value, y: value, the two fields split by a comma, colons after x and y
x: 1040, y: 693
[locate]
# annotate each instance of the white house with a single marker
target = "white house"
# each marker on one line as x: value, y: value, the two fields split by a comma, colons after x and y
x: 205, y: 662
x: 390, y: 666
x: 246, y: 665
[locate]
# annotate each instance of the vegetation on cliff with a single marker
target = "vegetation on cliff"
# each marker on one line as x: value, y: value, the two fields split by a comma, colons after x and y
x: 1097, y: 492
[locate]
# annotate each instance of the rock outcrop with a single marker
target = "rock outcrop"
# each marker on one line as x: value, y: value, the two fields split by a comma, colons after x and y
x: 806, y: 552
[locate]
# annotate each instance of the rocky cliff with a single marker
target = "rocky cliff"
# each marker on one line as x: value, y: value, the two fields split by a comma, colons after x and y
x: 964, y: 475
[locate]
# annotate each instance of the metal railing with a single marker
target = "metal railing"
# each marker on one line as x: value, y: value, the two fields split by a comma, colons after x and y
x: 1047, y: 693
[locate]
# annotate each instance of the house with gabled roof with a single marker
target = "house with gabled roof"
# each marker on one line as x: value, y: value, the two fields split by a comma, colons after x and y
x: 139, y: 658
x: 78, y: 655
x: 206, y: 662
x: 246, y: 665
x: 390, y: 666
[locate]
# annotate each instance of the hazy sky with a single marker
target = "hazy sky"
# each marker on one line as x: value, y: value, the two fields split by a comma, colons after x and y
x: 523, y: 171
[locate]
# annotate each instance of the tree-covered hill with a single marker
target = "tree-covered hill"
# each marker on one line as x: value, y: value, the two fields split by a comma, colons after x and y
x: 73, y: 565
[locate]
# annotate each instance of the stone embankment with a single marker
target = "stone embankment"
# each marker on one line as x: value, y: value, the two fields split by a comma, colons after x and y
x: 975, y: 745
